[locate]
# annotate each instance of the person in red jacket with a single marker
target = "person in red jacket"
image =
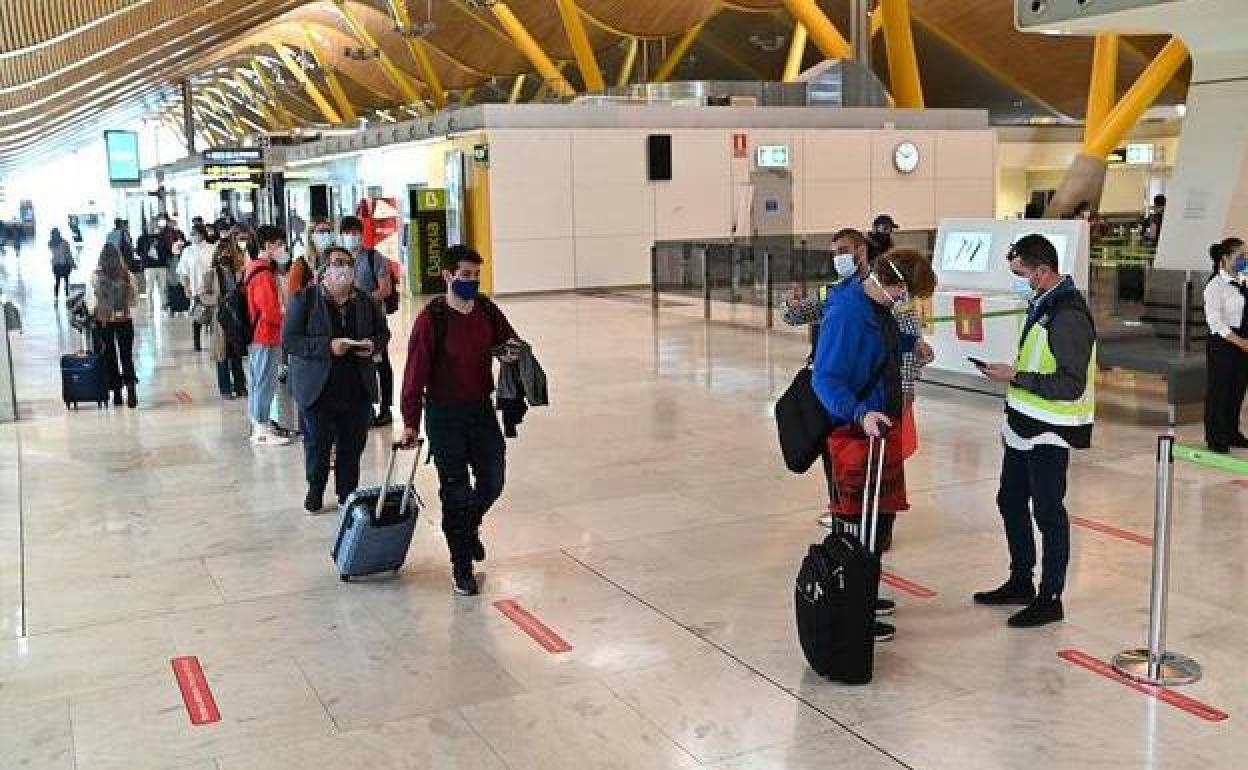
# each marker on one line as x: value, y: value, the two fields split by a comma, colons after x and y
x: 450, y: 365
x: 264, y: 310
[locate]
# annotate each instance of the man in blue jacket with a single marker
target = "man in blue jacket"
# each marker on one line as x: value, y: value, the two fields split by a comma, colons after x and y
x: 330, y: 334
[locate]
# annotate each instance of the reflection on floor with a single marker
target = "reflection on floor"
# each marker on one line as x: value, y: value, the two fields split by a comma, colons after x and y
x: 647, y: 521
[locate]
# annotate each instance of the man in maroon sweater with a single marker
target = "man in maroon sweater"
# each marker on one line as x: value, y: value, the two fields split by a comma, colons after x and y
x: 450, y: 365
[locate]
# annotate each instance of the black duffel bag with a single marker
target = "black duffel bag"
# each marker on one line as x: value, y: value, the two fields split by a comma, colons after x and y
x: 802, y: 422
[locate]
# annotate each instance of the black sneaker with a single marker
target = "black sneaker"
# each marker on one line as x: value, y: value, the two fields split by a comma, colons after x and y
x: 464, y: 582
x: 885, y: 607
x: 1239, y: 442
x: 1041, y: 612
x: 478, y: 548
x: 884, y: 632
x: 315, y: 501
x: 279, y: 430
x: 1012, y: 591
x: 383, y: 419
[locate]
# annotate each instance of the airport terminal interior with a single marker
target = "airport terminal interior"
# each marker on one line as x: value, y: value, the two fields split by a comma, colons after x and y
x: 651, y: 222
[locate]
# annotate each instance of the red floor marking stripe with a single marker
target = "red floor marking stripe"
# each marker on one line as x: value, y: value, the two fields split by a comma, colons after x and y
x: 200, y: 705
x: 1106, y: 529
x: 539, y: 631
x: 908, y: 586
x: 1164, y: 694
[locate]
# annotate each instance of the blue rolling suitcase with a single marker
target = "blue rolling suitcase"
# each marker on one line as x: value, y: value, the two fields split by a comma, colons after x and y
x: 82, y: 379
x: 377, y: 529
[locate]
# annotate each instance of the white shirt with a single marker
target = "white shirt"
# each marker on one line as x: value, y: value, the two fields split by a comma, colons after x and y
x: 1224, y: 304
x: 191, y: 267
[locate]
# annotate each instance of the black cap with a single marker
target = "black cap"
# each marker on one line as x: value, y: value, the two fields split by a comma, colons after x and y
x: 885, y: 219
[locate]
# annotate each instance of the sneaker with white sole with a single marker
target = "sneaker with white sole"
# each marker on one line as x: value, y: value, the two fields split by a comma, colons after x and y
x: 265, y: 437
x: 885, y: 607
x: 884, y: 632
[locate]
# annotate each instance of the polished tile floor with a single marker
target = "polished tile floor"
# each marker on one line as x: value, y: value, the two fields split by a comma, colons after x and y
x: 647, y: 520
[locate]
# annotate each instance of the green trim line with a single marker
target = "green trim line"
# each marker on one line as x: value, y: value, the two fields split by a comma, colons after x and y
x: 944, y: 319
x: 1208, y: 459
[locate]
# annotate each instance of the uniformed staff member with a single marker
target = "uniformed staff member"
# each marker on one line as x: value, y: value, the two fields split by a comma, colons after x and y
x: 1050, y: 408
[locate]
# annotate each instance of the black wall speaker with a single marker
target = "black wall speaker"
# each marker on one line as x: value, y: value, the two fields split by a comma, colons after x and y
x: 659, y: 156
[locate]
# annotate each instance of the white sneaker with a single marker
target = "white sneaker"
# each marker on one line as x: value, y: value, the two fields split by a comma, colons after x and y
x: 263, y: 436
x: 829, y: 521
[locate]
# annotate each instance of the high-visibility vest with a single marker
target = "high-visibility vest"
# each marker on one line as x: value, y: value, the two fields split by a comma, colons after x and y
x: 1035, y: 355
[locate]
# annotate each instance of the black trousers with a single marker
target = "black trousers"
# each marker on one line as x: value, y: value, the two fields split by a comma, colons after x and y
x: 62, y: 276
x: 1224, y: 394
x: 115, y: 343
x: 463, y: 439
x: 385, y: 381
x: 337, y: 423
x: 1033, y: 485
x: 197, y: 330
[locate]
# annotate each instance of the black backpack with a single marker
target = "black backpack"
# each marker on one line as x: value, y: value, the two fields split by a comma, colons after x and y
x: 234, y: 315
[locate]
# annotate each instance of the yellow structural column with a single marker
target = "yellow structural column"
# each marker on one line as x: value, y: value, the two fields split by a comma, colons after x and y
x: 345, y: 108
x: 797, y: 52
x: 257, y: 98
x: 678, y: 52
x: 517, y: 88
x: 586, y: 60
x: 420, y: 53
x: 531, y: 50
x: 1103, y: 87
x: 287, y: 120
x: 903, y: 63
x: 314, y: 93
x: 629, y: 63
x: 821, y: 29
x: 392, y: 70
x: 1143, y: 92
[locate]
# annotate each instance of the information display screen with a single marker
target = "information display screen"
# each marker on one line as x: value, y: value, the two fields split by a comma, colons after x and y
x: 122, y: 150
x: 772, y: 156
x: 966, y: 252
x: 1062, y: 245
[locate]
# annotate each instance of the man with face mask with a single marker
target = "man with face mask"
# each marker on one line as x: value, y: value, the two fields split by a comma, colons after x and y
x: 1050, y: 408
x: 329, y: 336
x: 264, y: 307
x: 372, y: 276
x: 449, y: 365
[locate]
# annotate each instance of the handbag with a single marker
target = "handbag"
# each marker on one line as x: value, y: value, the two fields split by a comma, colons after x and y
x: 802, y: 422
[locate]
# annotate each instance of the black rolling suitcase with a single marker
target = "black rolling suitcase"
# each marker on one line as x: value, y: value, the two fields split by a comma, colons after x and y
x: 82, y: 377
x: 837, y: 588
x: 178, y: 301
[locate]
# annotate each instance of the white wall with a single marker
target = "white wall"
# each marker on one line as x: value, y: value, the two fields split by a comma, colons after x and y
x: 572, y: 208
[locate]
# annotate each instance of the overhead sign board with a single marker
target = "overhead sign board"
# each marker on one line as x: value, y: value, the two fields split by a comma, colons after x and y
x: 233, y: 168
x: 122, y: 151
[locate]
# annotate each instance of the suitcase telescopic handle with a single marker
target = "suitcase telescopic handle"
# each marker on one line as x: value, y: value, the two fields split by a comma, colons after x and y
x: 395, y: 448
x: 871, y: 491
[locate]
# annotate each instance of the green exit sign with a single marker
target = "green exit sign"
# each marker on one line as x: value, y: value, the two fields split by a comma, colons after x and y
x: 481, y: 153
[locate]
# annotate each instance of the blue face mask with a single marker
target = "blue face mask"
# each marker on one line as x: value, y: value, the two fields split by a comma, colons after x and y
x: 1240, y: 265
x: 845, y: 265
x: 1022, y: 286
x: 466, y: 290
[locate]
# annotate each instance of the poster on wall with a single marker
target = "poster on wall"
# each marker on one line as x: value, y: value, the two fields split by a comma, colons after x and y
x: 456, y: 230
x: 385, y: 228
x: 428, y: 238
x: 122, y: 151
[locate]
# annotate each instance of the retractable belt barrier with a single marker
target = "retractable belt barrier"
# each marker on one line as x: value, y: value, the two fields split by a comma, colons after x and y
x: 1155, y: 664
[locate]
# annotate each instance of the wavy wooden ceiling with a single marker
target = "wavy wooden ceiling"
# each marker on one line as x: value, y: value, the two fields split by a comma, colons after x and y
x: 70, y: 67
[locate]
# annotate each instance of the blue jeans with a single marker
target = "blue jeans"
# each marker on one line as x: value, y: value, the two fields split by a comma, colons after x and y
x: 464, y: 438
x: 1033, y: 484
x: 263, y: 360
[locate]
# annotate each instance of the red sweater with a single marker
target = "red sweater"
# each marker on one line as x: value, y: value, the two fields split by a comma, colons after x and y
x: 264, y: 306
x: 465, y: 373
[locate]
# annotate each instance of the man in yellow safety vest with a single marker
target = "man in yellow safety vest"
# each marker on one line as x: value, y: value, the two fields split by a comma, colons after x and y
x: 1050, y: 407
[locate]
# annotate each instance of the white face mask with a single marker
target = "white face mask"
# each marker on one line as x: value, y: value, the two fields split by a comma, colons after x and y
x: 351, y: 241
x: 322, y: 241
x: 845, y: 265
x: 338, y: 279
x: 1022, y: 286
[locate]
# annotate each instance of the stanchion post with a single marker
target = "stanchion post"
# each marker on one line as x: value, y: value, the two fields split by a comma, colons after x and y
x: 706, y: 280
x: 767, y: 286
x: 1154, y: 665
x: 654, y: 277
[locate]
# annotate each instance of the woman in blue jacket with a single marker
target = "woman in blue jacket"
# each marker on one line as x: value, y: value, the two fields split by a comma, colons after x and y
x: 857, y: 376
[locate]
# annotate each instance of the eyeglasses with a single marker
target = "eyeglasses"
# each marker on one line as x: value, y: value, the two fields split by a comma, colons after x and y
x: 893, y: 266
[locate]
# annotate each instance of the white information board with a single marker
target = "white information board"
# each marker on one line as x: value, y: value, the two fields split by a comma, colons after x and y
x: 970, y: 253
